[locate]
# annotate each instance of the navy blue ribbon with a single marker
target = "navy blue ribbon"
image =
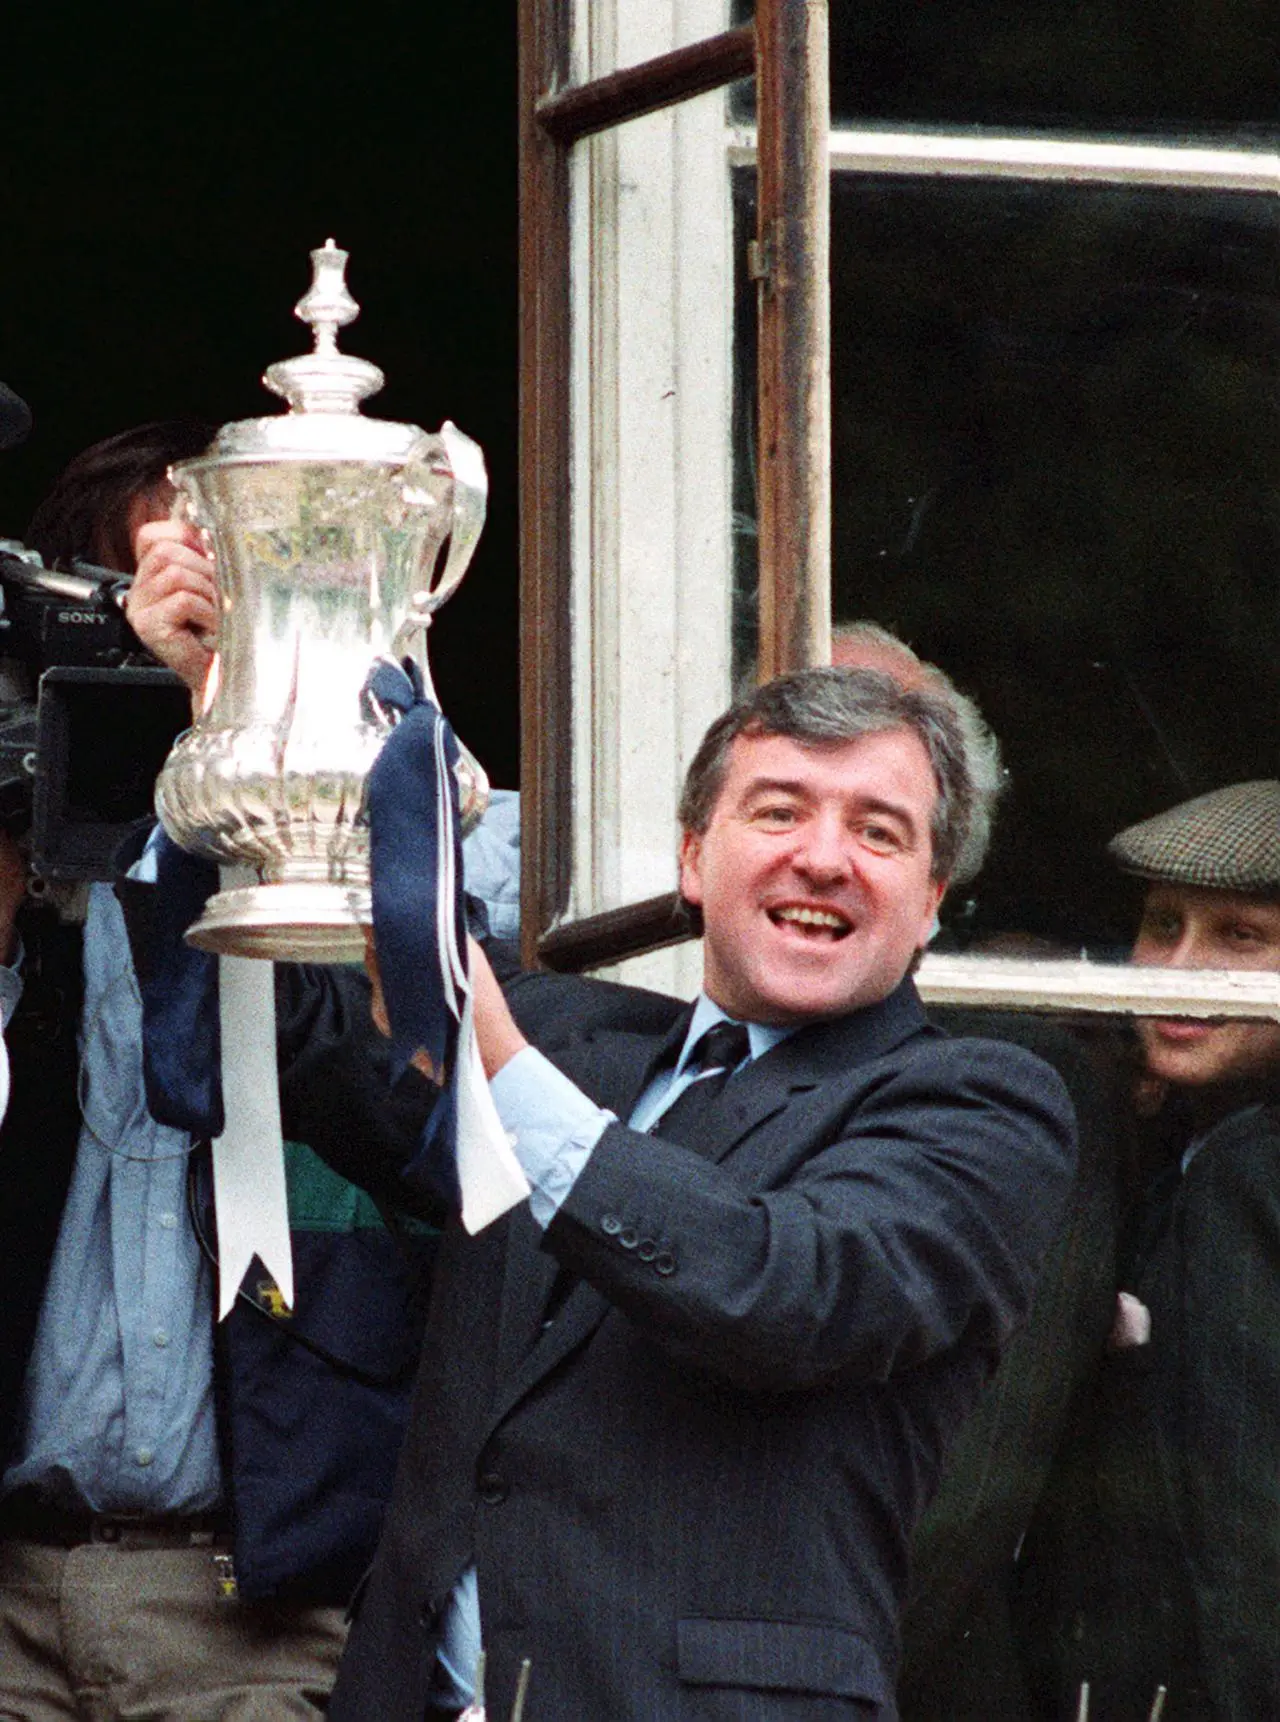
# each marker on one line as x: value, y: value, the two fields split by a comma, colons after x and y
x: 181, y: 1024
x: 412, y: 788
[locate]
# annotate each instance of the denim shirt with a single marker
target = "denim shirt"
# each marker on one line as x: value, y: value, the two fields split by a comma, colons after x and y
x: 118, y: 1405
x: 118, y: 1410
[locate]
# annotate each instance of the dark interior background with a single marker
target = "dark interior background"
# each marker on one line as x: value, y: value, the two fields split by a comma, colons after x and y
x: 166, y: 171
x: 1139, y: 67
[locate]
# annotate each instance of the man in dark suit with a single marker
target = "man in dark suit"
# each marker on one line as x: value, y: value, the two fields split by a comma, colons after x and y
x: 678, y: 1412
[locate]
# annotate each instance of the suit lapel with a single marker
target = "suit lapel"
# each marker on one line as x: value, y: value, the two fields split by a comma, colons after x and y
x: 614, y: 1069
x: 584, y: 1309
x: 527, y: 1281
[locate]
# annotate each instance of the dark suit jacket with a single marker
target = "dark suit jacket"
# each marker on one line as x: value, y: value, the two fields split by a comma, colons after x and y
x: 960, y: 1659
x: 1156, y: 1557
x: 690, y: 1494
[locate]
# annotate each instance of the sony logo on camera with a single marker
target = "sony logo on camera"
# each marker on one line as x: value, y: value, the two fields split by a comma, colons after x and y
x: 84, y: 618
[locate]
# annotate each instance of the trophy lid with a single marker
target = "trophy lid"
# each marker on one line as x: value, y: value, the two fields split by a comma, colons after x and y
x: 324, y: 389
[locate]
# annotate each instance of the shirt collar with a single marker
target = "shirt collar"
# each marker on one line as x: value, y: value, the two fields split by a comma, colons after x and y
x: 706, y: 1014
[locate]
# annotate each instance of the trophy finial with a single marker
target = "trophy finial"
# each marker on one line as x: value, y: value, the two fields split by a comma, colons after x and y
x: 325, y: 380
x: 327, y: 305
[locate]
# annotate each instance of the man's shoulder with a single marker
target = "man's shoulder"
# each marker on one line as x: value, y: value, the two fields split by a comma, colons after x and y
x: 965, y: 1059
x: 909, y: 1080
x: 928, y: 1053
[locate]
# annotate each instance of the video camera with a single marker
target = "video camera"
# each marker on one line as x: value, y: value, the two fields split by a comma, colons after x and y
x: 87, y: 717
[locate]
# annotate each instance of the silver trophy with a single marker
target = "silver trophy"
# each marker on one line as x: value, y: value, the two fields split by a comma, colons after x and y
x: 329, y: 533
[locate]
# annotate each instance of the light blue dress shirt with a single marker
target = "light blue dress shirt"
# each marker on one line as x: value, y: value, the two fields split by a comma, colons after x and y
x: 553, y: 1128
x: 11, y: 987
x: 491, y: 863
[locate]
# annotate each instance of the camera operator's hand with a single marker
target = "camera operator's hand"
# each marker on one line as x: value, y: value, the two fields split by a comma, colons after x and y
x: 172, y: 604
x: 13, y: 888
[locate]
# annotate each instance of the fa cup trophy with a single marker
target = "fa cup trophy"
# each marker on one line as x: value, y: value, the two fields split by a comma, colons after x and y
x: 329, y: 533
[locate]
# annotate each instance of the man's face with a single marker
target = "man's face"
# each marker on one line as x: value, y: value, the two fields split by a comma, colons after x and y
x: 813, y: 875
x: 1187, y: 928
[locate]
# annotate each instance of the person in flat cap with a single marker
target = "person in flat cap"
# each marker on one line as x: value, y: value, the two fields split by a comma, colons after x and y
x: 1161, y: 1560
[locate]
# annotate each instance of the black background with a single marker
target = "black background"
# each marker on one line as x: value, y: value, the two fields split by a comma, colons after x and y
x: 166, y: 172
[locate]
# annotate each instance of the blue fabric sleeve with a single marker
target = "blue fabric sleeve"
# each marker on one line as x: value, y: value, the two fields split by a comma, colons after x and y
x: 552, y: 1127
x: 11, y: 986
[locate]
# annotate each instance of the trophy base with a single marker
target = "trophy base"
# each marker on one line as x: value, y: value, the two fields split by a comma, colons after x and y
x: 298, y: 923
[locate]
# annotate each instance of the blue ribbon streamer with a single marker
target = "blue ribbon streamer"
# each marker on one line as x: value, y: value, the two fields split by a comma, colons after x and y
x: 181, y: 1025
x: 407, y: 801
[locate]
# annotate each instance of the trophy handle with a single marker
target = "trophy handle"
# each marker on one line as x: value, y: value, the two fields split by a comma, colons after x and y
x: 470, y: 500
x: 465, y: 461
x: 464, y: 465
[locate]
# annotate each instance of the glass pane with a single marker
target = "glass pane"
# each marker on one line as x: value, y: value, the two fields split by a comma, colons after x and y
x: 1182, y: 65
x: 1206, y: 66
x: 1056, y: 471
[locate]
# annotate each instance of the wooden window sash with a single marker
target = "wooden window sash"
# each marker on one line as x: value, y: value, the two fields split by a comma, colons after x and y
x: 787, y: 50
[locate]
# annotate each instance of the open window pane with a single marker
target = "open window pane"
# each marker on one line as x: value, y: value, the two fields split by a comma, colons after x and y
x: 651, y: 400
x: 1184, y: 67
x: 1057, y: 474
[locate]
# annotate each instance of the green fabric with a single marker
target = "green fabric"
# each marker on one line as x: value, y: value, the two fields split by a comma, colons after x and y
x: 321, y: 1201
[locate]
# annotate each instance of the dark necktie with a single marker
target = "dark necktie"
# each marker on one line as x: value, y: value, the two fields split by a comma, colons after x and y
x: 720, y: 1051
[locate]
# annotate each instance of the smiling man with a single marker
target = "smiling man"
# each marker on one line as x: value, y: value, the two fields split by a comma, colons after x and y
x: 679, y: 1412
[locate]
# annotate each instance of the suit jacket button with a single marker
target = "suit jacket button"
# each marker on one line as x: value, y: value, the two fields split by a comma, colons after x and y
x: 628, y: 1237
x: 664, y: 1262
x: 493, y: 1488
x: 610, y: 1224
x: 647, y: 1250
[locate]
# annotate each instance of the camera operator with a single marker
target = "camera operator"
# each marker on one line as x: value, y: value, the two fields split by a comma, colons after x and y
x: 183, y: 1509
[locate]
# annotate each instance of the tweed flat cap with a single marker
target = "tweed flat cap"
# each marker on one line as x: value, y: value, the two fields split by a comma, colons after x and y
x: 1228, y: 840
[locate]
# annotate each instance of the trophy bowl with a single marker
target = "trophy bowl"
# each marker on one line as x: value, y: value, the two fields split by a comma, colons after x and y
x: 336, y: 538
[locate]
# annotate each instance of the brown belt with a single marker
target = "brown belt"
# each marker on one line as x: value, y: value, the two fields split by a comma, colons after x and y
x: 24, y: 1515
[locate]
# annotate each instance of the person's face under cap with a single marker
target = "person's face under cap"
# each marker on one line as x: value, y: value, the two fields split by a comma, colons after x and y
x: 1212, y: 902
x: 1188, y: 927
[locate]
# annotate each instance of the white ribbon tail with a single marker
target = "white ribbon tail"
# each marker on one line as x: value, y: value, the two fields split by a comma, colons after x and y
x: 248, y: 1158
x: 489, y: 1175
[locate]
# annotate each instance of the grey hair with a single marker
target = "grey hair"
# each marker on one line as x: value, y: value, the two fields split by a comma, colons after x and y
x: 835, y: 704
x: 982, y: 750
x: 865, y: 632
